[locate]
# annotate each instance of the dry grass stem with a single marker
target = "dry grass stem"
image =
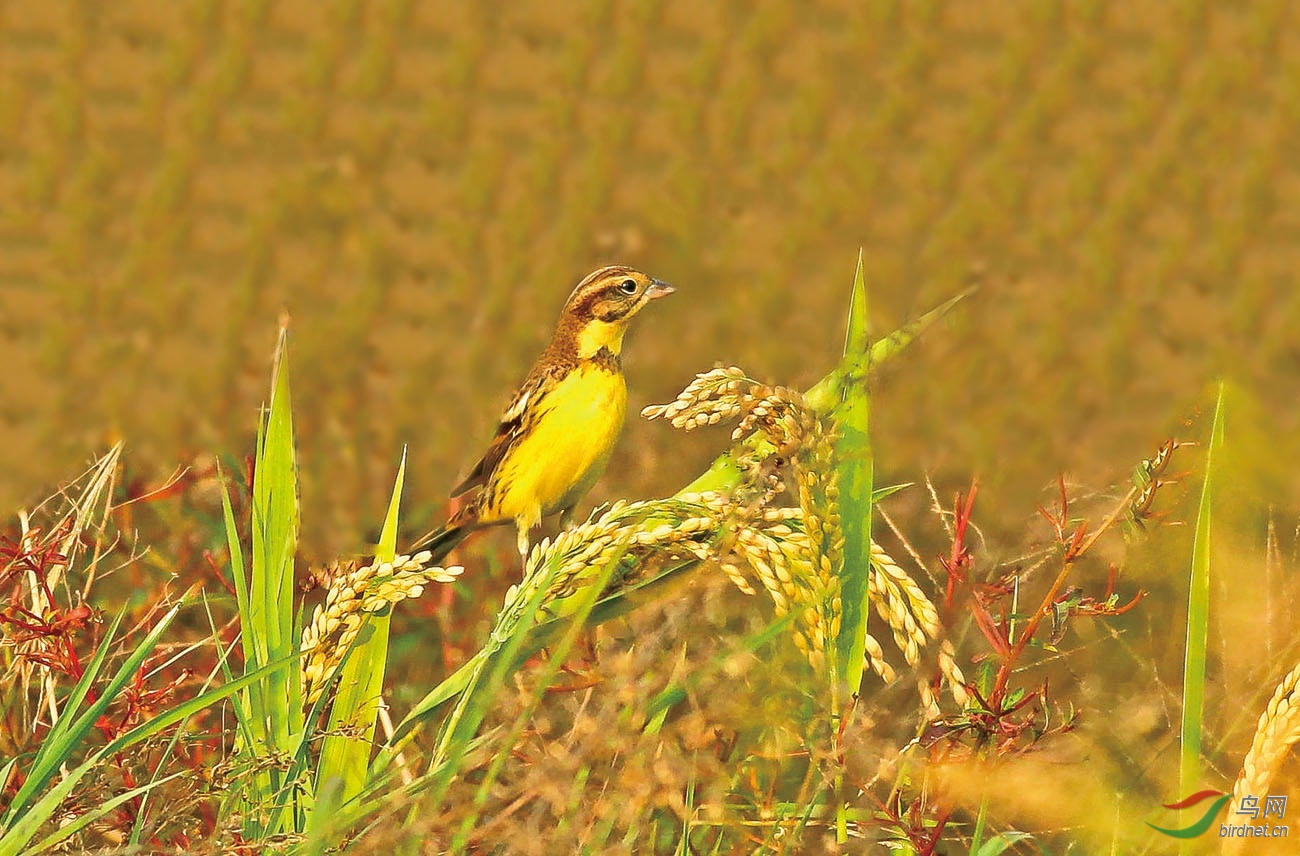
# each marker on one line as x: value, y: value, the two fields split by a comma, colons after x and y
x: 44, y: 611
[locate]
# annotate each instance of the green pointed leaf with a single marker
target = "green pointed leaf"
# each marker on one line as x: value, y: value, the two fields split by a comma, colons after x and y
x: 270, y: 712
x: 345, y: 756
x: 1198, y: 616
x: 856, y: 466
x: 14, y: 838
x: 825, y: 395
x: 67, y: 736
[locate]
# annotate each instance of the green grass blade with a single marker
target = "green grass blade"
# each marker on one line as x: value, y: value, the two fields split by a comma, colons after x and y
x: 856, y: 466
x: 1198, y: 617
x: 378, y: 796
x: 514, y: 631
x: 832, y: 392
x: 188, y: 708
x: 250, y: 700
x: 70, y: 731
x: 238, y: 570
x: 276, y: 517
x: 977, y: 833
x: 578, y: 608
x: 824, y: 395
x: 65, y: 832
x: 344, y: 757
x: 244, y: 727
x: 14, y: 839
x: 72, y: 707
x: 684, y: 843
x: 509, y: 637
x: 546, y: 633
x: 662, y: 704
x: 269, y: 711
x: 1001, y: 842
x: 221, y: 667
x: 445, y: 691
x: 60, y: 743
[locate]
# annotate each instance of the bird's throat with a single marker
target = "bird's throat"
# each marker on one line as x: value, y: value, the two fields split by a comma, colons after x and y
x: 596, y: 336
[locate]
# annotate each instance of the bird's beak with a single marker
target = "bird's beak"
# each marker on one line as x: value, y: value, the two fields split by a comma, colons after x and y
x: 658, y: 289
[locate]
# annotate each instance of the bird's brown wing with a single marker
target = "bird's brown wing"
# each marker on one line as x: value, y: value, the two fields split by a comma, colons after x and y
x: 514, y: 424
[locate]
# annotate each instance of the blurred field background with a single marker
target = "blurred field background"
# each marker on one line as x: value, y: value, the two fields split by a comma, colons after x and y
x: 420, y: 185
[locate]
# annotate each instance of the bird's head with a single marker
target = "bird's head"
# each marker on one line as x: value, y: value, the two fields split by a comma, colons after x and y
x: 598, y: 311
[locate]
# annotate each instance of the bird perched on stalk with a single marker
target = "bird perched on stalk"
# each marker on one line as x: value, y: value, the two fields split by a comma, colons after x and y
x: 556, y: 436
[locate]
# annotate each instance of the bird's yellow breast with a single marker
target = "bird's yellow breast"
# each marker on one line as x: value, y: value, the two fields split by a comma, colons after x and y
x: 566, y: 450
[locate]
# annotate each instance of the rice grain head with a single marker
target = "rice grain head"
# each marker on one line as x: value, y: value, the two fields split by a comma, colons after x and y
x: 794, y: 552
x: 1278, y: 730
x: 352, y: 594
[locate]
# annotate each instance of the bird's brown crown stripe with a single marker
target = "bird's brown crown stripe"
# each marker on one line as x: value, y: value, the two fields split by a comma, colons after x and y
x: 584, y: 297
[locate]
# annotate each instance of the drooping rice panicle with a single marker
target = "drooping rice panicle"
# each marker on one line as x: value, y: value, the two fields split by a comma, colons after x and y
x: 352, y: 594
x: 795, y: 553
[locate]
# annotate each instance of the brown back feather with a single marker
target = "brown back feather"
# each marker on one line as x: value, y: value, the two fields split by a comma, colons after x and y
x: 514, y: 422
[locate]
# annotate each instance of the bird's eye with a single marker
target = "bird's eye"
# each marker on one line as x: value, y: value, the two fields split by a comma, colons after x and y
x: 628, y: 286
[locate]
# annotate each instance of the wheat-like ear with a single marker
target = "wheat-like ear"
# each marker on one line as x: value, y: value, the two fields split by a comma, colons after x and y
x: 796, y: 552
x: 352, y: 593
x: 1277, y: 732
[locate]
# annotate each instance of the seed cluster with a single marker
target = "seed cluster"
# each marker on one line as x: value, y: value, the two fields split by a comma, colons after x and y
x: 795, y: 553
x: 1277, y: 732
x: 353, y: 593
x: 634, y: 535
x: 956, y: 681
x: 902, y: 605
x: 637, y: 535
x: 712, y: 397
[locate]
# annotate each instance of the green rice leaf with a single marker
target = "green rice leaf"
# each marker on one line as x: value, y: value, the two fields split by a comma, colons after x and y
x: 13, y: 839
x: 825, y: 395
x: 856, y: 465
x: 344, y: 757
x: 1198, y: 616
x: 270, y: 712
x: 67, y: 735
x: 65, y: 832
